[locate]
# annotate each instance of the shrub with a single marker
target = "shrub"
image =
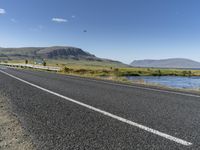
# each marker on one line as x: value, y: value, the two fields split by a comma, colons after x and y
x: 81, y: 71
x: 186, y: 73
x: 116, y: 70
x: 66, y: 69
x: 44, y: 63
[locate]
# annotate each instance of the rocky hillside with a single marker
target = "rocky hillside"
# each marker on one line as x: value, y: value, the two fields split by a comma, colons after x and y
x: 46, y: 52
x: 54, y: 53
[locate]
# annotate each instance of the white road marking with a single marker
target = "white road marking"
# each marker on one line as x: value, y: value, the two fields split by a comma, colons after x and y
x: 156, y: 132
x: 137, y: 87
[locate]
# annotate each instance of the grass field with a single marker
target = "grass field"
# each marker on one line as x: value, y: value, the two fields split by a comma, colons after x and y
x: 109, y: 69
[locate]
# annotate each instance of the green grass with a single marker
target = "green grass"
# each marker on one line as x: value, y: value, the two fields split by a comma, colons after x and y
x: 122, y: 72
x: 84, y: 63
x: 73, y: 63
x: 109, y: 69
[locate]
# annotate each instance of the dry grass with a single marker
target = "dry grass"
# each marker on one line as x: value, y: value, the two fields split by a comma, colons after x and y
x: 12, y: 135
x: 106, y: 68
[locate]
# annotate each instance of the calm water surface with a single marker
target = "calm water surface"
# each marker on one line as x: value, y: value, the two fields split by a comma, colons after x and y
x: 171, y: 81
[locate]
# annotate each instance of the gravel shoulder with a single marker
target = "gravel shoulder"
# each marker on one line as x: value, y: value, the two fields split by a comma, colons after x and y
x: 12, y: 134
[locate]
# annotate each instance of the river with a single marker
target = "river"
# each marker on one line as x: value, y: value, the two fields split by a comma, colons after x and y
x: 170, y: 81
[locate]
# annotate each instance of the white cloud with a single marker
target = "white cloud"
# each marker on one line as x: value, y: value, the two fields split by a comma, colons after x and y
x: 59, y: 20
x: 2, y: 11
x: 73, y: 16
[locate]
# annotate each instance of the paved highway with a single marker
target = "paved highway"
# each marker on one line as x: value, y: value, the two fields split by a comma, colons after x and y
x: 64, y: 112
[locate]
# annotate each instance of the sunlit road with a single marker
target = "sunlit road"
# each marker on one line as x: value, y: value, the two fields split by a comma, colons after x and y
x: 64, y: 112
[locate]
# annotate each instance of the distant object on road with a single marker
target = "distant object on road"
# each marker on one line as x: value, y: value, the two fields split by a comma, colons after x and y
x: 39, y: 62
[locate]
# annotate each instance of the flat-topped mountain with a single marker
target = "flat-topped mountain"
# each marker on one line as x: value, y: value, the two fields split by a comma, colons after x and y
x: 167, y: 63
x: 55, y: 52
x: 63, y: 52
x: 46, y: 52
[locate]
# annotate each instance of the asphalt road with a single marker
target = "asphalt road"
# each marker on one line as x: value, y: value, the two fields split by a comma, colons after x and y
x: 63, y: 112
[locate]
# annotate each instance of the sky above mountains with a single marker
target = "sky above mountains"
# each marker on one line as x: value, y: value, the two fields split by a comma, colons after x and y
x: 117, y: 29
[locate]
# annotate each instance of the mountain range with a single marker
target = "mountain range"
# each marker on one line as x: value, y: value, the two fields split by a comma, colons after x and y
x: 166, y: 63
x: 68, y: 52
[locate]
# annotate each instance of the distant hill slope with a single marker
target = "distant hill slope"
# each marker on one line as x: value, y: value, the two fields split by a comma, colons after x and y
x: 55, y: 52
x: 64, y: 52
x: 167, y: 63
x: 46, y: 52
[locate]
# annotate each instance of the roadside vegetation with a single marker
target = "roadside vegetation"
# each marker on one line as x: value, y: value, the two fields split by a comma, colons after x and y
x: 124, y: 72
x: 108, y: 69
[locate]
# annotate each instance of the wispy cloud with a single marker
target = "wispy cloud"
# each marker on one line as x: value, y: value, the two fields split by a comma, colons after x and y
x: 41, y: 27
x: 13, y: 20
x: 73, y: 16
x: 59, y: 20
x: 2, y: 11
x: 37, y: 28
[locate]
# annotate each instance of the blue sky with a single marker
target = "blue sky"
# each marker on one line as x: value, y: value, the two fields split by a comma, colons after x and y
x: 124, y: 30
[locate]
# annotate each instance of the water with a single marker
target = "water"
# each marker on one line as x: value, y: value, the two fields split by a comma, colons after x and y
x: 171, y: 81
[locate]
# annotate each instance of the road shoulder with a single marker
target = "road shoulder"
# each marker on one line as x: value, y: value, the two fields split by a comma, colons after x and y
x: 12, y: 134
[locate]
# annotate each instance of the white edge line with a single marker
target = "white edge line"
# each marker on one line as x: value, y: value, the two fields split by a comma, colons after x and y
x: 156, y: 132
